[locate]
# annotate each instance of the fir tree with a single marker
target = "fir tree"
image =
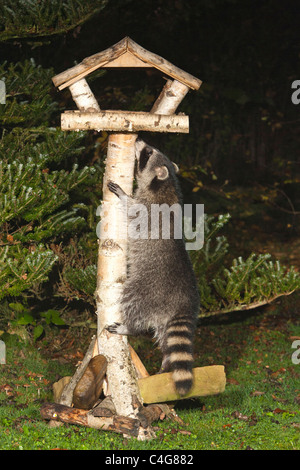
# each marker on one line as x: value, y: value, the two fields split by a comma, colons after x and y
x: 35, y: 201
x: 36, y: 18
x: 40, y: 178
x: 242, y: 284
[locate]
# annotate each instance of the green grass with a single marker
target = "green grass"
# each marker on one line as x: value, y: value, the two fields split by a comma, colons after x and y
x: 258, y: 410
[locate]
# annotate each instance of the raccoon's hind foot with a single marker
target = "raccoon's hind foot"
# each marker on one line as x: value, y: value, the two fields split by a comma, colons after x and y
x: 116, y: 189
x: 117, y: 329
x: 165, y: 366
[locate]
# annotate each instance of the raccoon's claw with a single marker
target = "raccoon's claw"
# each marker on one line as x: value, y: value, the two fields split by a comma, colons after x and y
x: 113, y: 328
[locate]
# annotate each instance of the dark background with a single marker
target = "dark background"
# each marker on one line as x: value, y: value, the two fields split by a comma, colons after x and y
x: 246, y: 53
x: 243, y: 145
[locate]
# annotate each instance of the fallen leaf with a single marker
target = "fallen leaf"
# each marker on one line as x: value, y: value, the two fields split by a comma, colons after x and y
x: 238, y: 415
x: 279, y: 410
x: 281, y: 400
x: 256, y: 393
x: 185, y: 433
x: 232, y: 381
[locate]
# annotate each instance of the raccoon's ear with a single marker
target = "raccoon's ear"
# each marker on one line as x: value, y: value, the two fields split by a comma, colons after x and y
x: 176, y: 167
x: 162, y: 172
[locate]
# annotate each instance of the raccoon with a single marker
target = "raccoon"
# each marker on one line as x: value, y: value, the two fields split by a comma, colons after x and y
x: 160, y: 293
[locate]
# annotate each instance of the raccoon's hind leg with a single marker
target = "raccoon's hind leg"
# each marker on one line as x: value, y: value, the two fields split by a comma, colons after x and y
x: 123, y: 329
x: 118, y: 329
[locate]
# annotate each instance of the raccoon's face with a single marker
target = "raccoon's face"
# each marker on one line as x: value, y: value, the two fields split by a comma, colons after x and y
x: 153, y: 167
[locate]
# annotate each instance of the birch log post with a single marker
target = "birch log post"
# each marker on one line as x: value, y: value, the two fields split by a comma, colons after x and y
x: 111, y: 274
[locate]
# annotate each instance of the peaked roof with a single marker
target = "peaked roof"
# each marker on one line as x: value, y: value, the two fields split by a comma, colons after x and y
x: 126, y: 53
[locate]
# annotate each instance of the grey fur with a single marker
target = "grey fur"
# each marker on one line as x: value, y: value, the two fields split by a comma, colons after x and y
x: 160, y: 293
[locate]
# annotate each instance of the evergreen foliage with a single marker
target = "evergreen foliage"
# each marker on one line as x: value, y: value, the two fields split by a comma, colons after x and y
x: 241, y: 284
x: 83, y: 280
x: 38, y: 172
x: 30, y: 18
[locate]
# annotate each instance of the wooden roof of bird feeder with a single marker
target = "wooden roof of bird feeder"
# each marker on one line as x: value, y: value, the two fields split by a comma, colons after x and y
x: 125, y: 53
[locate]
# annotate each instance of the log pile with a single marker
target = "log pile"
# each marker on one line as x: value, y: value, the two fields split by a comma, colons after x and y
x: 79, y: 399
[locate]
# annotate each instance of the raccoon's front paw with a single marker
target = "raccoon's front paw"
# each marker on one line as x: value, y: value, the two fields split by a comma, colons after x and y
x: 113, y: 328
x: 117, y: 329
x: 115, y: 188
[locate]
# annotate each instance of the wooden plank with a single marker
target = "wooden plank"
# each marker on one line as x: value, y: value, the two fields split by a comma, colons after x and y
x: 139, y: 366
x: 89, y: 64
x: 159, y: 388
x: 127, y: 60
x: 124, y: 121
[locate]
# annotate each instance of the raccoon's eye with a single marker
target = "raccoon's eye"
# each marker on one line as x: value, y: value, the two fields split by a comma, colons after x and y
x: 149, y: 151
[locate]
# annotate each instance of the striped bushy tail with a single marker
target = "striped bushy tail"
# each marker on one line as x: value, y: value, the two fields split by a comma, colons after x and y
x: 179, y: 351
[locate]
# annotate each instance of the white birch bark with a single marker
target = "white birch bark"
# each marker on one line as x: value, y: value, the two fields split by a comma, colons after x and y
x: 171, y: 96
x: 111, y: 274
x: 83, y: 96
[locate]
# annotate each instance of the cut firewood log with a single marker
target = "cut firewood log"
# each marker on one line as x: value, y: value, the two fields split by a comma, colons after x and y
x: 105, y: 409
x: 66, y: 414
x: 89, y: 387
x: 59, y: 386
x: 154, y: 412
x: 159, y: 388
x: 66, y: 397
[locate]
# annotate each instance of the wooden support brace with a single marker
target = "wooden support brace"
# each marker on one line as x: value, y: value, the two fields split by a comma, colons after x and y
x: 122, y: 121
x: 83, y: 96
x: 170, y: 97
x: 66, y: 397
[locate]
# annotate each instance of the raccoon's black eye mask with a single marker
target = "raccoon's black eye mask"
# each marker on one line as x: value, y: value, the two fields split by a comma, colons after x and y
x: 144, y: 157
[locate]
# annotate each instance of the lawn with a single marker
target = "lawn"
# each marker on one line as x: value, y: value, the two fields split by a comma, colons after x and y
x: 259, y: 409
